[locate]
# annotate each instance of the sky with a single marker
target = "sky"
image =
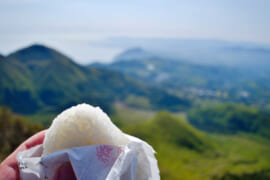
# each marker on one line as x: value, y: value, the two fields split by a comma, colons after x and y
x: 75, y: 27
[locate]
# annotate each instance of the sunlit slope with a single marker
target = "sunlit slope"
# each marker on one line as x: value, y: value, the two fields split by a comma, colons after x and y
x: 167, y: 128
x: 186, y: 153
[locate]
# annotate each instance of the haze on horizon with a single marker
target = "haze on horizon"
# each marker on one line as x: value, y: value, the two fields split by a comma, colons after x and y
x: 76, y: 27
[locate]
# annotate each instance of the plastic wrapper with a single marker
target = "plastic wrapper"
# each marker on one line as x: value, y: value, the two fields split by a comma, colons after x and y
x: 134, y: 161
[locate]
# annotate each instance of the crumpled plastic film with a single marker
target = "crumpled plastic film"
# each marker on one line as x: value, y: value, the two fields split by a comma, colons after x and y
x: 134, y: 161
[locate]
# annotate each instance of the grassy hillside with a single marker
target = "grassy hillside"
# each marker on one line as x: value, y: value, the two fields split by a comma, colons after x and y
x: 167, y: 128
x: 232, y: 158
x: 230, y: 118
x: 186, y: 153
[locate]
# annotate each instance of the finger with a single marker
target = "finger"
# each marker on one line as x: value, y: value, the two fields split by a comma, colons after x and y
x: 31, y: 142
x: 9, y: 166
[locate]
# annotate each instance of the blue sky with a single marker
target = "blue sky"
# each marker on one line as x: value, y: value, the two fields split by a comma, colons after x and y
x: 74, y: 26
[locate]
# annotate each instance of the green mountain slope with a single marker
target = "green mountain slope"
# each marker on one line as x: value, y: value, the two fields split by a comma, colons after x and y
x: 230, y: 118
x: 17, y: 87
x: 183, y: 152
x: 39, y: 77
x: 52, y: 73
x: 169, y: 129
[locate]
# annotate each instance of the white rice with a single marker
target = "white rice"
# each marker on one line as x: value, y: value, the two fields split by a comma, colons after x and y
x: 81, y: 125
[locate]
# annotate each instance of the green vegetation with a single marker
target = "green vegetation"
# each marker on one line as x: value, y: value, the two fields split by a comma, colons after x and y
x: 124, y: 115
x: 167, y: 128
x: 14, y: 129
x: 137, y: 101
x: 230, y: 118
x: 186, y: 153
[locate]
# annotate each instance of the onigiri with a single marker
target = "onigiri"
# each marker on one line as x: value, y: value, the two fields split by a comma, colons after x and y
x: 81, y: 125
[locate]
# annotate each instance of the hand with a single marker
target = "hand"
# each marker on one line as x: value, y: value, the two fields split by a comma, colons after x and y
x: 9, y: 169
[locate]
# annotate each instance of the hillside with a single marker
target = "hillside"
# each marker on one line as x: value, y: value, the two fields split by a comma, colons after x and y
x: 230, y: 119
x: 39, y: 77
x: 164, y: 127
x: 183, y: 152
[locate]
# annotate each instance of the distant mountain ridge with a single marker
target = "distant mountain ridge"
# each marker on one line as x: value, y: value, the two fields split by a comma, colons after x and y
x: 214, y: 81
x: 133, y: 53
x: 201, y: 51
x: 37, y: 76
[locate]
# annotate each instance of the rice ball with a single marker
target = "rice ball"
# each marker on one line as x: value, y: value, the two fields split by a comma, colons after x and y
x: 81, y: 125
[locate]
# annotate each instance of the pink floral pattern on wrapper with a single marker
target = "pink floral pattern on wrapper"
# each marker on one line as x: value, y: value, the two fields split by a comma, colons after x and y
x: 107, y: 154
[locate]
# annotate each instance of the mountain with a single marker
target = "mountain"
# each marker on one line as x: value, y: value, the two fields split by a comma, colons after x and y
x: 190, y: 79
x: 37, y: 77
x: 246, y: 55
x: 133, y: 53
x: 51, y: 73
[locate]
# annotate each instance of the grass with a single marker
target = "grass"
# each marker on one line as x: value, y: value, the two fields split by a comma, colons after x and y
x: 211, y: 156
x: 232, y: 155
